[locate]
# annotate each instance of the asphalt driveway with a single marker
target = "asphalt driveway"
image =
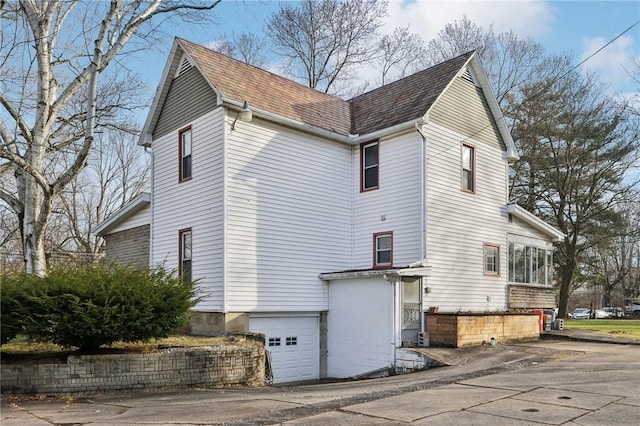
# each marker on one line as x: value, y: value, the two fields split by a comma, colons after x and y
x: 545, y: 382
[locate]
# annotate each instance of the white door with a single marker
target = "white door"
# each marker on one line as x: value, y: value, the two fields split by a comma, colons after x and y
x: 294, y: 345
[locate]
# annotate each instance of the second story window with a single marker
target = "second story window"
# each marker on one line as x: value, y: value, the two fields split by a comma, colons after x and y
x: 184, y: 145
x: 468, y: 168
x: 383, y: 250
x: 369, y: 166
x: 184, y: 262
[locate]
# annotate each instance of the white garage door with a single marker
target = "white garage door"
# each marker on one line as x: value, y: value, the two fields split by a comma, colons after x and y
x: 294, y: 346
x: 360, y: 330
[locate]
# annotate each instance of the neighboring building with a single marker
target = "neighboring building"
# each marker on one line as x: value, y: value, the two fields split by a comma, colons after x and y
x: 331, y: 225
x: 127, y: 233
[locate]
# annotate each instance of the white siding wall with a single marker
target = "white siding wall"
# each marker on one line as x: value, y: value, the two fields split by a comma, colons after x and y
x: 288, y: 217
x: 140, y: 218
x: 460, y: 223
x: 522, y: 229
x: 397, y: 199
x: 195, y: 204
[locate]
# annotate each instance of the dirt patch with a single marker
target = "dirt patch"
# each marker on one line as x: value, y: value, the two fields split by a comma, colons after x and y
x: 43, y: 353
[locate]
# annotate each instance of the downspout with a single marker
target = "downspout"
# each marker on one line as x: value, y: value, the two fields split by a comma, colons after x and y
x: 423, y: 190
x: 424, y: 214
x: 149, y: 151
x: 395, y: 329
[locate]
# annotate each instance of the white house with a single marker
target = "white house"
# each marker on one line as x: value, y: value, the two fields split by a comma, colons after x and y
x: 331, y: 225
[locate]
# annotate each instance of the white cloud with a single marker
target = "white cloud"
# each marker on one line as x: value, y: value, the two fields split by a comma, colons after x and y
x: 612, y: 62
x: 428, y: 17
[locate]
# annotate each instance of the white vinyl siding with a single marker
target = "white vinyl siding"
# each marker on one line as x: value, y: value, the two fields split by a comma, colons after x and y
x: 460, y: 223
x: 195, y: 204
x: 394, y: 207
x: 288, y: 217
x: 519, y: 227
x: 465, y: 110
x: 140, y: 218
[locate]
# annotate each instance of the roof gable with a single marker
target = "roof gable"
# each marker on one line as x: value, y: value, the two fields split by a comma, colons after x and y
x: 406, y: 99
x: 270, y: 96
x: 239, y: 81
x: 121, y: 215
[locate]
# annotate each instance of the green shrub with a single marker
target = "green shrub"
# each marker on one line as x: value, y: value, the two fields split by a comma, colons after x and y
x: 94, y: 306
x: 14, y: 304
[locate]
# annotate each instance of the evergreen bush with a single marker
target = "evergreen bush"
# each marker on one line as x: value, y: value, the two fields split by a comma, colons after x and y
x: 14, y: 304
x: 89, y: 307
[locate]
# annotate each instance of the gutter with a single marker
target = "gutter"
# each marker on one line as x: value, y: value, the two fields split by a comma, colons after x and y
x: 351, y: 139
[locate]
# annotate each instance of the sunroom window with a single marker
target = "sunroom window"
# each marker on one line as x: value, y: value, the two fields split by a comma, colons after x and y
x: 530, y: 264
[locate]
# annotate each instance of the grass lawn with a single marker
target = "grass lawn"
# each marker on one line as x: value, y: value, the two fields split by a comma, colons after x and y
x: 615, y: 327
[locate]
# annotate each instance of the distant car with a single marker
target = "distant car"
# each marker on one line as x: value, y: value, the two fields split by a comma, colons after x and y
x: 613, y: 312
x: 602, y: 314
x: 581, y: 313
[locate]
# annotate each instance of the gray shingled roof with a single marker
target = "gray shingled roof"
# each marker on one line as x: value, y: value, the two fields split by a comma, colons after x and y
x: 401, y: 101
x: 270, y: 92
x: 405, y: 99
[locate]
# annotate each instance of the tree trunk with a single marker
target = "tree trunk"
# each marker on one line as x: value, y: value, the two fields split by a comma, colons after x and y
x: 566, y: 283
x: 33, y: 235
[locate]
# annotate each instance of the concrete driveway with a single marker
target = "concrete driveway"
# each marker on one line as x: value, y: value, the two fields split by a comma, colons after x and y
x: 556, y: 382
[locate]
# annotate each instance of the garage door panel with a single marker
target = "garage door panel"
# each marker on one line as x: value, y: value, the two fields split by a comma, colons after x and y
x: 294, y: 346
x: 360, y: 335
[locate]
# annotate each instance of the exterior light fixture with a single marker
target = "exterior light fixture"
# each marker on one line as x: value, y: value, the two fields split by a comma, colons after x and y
x: 244, y: 115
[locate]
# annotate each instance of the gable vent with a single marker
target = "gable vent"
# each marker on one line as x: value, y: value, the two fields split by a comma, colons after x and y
x: 184, y: 67
x: 466, y: 75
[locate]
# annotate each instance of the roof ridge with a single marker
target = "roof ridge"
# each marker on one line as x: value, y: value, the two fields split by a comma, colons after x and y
x: 258, y: 69
x: 416, y: 74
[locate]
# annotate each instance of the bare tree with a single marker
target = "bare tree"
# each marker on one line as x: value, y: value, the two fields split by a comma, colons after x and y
x: 223, y: 44
x: 460, y: 37
x: 246, y: 47
x: 400, y: 53
x: 509, y: 60
x: 323, y: 41
x: 56, y: 55
x: 116, y: 174
x: 609, y: 266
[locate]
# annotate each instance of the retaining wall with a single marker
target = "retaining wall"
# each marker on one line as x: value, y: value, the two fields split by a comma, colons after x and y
x: 171, y: 368
x: 469, y: 329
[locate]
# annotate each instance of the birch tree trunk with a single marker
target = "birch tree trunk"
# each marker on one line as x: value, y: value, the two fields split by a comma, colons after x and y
x: 40, y: 128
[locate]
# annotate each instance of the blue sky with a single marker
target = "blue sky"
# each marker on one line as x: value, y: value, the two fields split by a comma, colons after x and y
x: 577, y: 26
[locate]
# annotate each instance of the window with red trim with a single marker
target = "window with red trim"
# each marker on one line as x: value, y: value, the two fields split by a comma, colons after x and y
x: 184, y: 153
x: 185, y: 253
x: 383, y: 250
x: 468, y: 168
x: 491, y: 259
x: 369, y: 166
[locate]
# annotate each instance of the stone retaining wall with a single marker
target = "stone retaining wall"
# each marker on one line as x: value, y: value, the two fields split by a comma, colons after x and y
x: 469, y: 329
x: 171, y: 368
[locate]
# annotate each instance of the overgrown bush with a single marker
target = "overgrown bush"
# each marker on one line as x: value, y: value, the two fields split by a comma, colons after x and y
x: 14, y: 304
x: 89, y: 307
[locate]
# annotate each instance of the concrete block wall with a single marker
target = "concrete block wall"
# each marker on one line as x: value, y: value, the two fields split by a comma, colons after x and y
x: 458, y: 330
x: 129, y: 247
x: 523, y: 296
x: 172, y: 368
x: 217, y: 323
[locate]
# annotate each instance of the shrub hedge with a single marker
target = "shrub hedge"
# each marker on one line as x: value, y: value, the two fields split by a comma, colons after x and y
x: 89, y: 307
